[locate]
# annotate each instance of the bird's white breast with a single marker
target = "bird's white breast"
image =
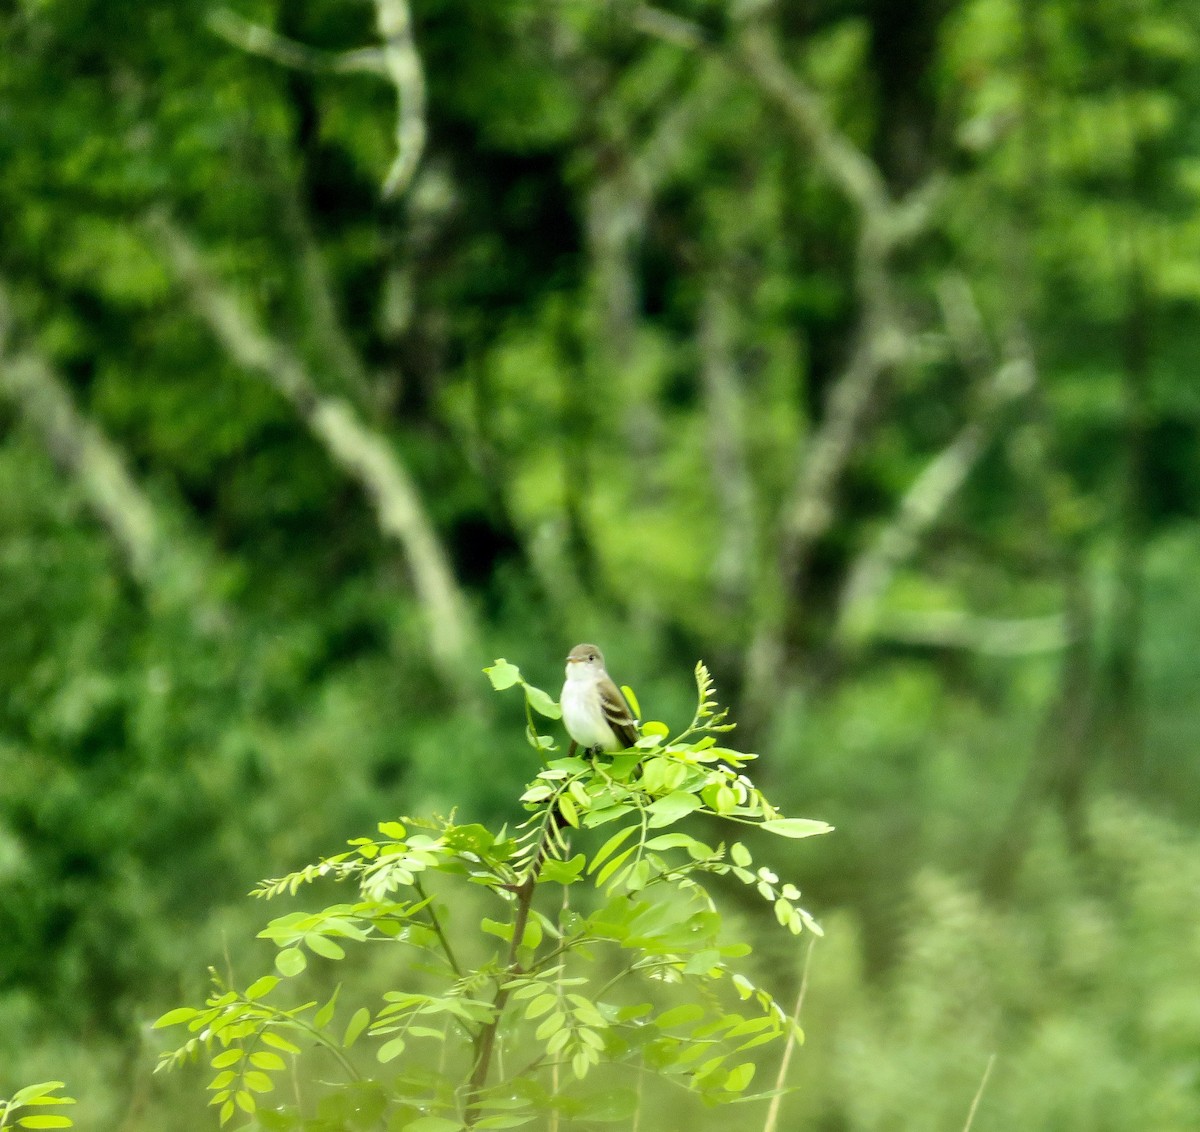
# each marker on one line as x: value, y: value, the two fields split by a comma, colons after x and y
x: 583, y: 715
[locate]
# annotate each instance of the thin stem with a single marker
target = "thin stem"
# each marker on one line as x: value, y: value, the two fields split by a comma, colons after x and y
x: 323, y: 1040
x: 437, y: 927
x: 485, y: 1044
x: 785, y: 1061
x: 979, y: 1093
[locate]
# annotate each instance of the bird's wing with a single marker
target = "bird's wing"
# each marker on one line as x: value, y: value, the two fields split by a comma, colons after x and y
x: 617, y: 714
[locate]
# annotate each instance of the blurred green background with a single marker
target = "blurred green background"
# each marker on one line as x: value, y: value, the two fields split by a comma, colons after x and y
x: 850, y: 346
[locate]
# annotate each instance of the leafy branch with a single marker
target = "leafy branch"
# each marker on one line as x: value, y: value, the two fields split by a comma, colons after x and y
x: 21, y: 1109
x: 540, y: 983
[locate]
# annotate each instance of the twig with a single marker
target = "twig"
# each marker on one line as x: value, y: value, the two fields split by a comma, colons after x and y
x: 486, y: 1042
x: 979, y: 1094
x: 257, y: 40
x: 78, y: 447
x: 394, y: 21
x: 365, y: 455
x: 785, y: 1062
x: 934, y: 489
x: 669, y: 27
x: 436, y: 921
x: 398, y: 61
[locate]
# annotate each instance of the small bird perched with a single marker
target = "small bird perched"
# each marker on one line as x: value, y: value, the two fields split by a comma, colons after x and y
x: 595, y: 713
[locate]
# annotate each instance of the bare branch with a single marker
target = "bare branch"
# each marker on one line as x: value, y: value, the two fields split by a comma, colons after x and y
x: 669, y: 27
x: 394, y: 21
x: 257, y: 40
x: 732, y: 567
x: 854, y: 172
x: 772, y: 1120
x: 397, y: 61
x: 80, y: 449
x: 362, y: 453
x: 932, y: 492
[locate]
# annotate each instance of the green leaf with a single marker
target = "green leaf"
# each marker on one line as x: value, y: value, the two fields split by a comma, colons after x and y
x: 390, y: 1050
x: 226, y: 1057
x: 503, y: 675
x: 796, y: 827
x: 610, y: 846
x: 262, y: 986
x: 739, y: 1077
x: 550, y: 1026
x: 290, y: 961
x: 563, y: 872
x: 358, y: 1022
x: 612, y: 866
x: 676, y: 841
x: 632, y: 700
x: 540, y: 1006
x: 671, y: 807
x: 323, y: 945
x: 605, y: 814
x: 271, y: 1038
x: 265, y: 1059
x: 38, y: 1094
x: 542, y: 702
x: 325, y: 1015
x: 680, y: 1015
x: 740, y: 855
x: 497, y: 928
x: 47, y: 1120
x: 259, y: 1081
x: 171, y: 1018
x: 393, y: 829
x: 566, y: 807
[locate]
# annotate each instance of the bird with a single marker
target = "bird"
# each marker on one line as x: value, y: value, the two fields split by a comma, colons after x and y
x: 594, y: 711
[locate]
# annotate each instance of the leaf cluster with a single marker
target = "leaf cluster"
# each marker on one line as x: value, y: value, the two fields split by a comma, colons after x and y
x: 24, y: 1108
x: 549, y: 994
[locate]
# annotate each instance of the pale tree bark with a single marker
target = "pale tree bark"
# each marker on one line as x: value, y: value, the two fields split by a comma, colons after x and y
x: 361, y: 452
x: 402, y: 62
x: 175, y: 571
x: 398, y: 61
x: 733, y: 565
x: 930, y: 495
x: 880, y: 342
x: 81, y: 451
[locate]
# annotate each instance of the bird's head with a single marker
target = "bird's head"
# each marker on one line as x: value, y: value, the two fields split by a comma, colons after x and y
x: 583, y: 659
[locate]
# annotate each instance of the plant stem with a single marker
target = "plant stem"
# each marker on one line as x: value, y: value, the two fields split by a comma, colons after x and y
x: 979, y: 1093
x: 485, y: 1044
x: 785, y: 1061
x: 435, y: 920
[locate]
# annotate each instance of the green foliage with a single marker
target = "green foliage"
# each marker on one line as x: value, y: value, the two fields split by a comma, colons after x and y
x: 565, y: 991
x: 603, y: 332
x: 25, y: 1108
x: 1080, y: 987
